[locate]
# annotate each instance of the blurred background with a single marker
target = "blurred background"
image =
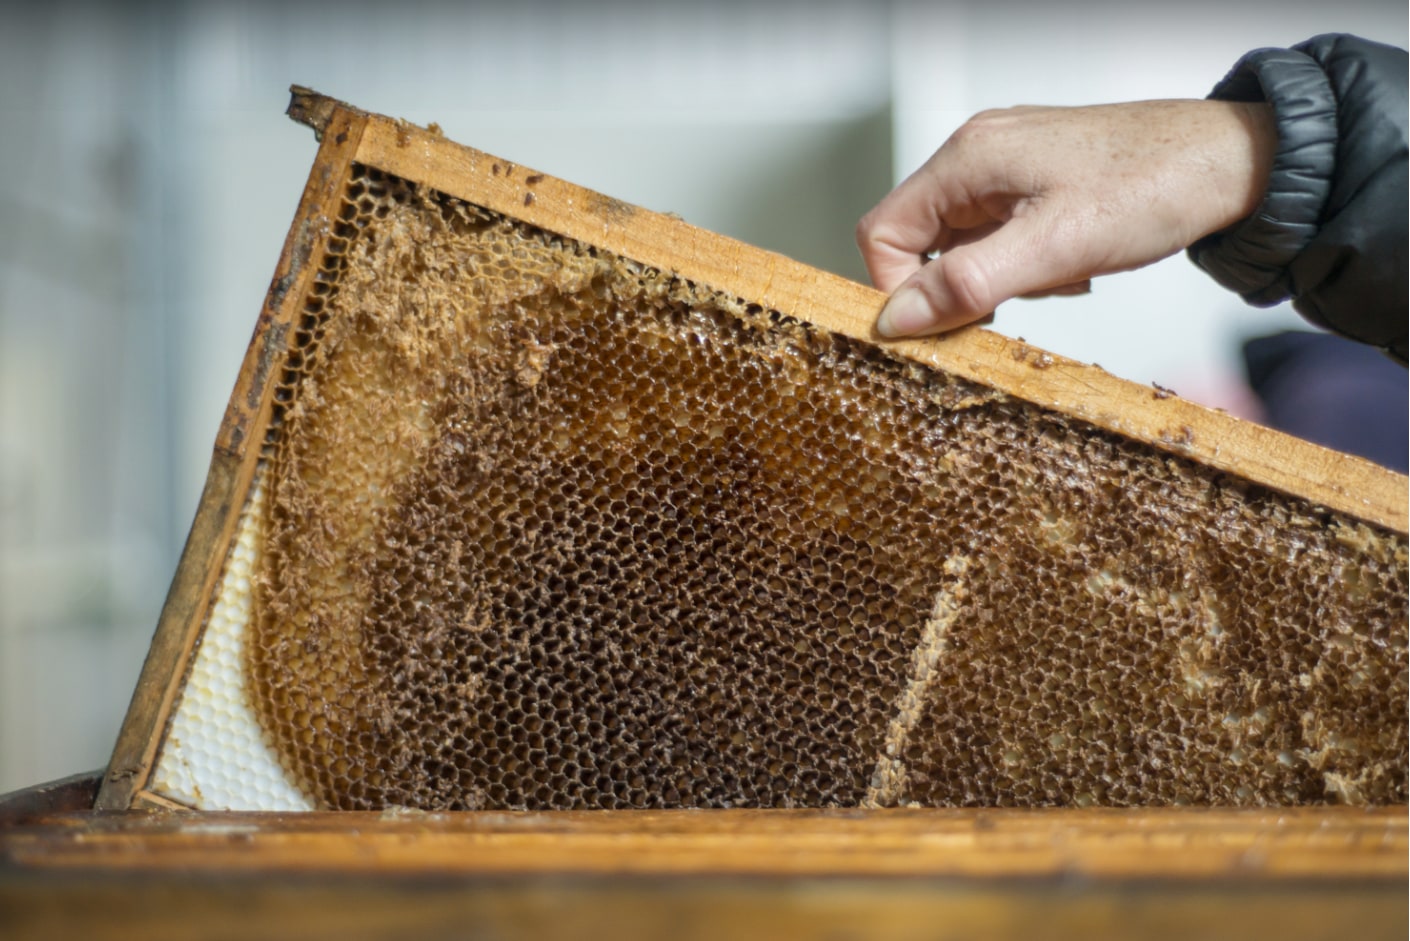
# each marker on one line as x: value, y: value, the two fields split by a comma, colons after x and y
x: 148, y: 176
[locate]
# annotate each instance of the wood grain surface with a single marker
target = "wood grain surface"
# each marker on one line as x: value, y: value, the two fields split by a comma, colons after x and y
x: 192, y: 907
x: 1091, y: 874
x: 233, y: 461
x: 1173, y: 843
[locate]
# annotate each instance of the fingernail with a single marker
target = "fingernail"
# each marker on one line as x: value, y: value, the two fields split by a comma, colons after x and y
x: 906, y: 313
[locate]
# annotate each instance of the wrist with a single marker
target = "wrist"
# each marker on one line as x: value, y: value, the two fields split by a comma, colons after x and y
x: 1252, y: 255
x: 1254, y: 141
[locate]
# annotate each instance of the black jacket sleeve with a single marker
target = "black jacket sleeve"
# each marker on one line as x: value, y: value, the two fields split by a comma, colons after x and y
x: 1331, y: 230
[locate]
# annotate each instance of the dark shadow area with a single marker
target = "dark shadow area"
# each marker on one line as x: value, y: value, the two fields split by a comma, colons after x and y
x: 1334, y: 392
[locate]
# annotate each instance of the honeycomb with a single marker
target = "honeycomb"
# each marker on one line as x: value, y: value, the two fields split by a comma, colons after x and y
x: 546, y: 528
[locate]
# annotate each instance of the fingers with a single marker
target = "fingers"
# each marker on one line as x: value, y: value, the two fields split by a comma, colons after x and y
x: 1034, y: 201
x: 1062, y: 290
x: 968, y: 282
x: 945, y: 294
x: 962, y: 203
x: 895, y: 237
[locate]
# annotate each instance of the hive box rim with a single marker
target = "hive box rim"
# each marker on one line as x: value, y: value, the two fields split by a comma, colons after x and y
x: 1242, y: 845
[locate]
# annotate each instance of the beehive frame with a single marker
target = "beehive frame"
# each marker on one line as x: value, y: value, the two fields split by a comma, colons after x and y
x: 352, y: 138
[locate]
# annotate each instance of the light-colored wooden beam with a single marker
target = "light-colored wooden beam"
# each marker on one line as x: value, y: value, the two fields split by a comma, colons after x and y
x: 1337, y: 481
x: 233, y: 461
x: 1318, y: 843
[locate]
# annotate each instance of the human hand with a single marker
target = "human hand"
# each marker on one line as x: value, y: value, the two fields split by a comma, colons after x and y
x: 1033, y: 201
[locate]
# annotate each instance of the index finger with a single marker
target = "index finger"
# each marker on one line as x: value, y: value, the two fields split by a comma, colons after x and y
x: 895, y: 236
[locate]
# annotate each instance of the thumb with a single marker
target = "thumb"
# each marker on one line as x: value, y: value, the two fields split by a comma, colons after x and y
x: 966, y: 283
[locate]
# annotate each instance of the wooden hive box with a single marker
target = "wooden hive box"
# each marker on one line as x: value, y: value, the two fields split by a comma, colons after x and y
x: 530, y: 501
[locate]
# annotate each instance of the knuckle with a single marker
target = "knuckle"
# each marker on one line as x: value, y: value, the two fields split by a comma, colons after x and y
x: 990, y: 129
x: 990, y: 117
x: 865, y: 232
x: 978, y: 127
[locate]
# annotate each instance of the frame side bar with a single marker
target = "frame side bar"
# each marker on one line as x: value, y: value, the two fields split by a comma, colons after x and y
x: 236, y: 454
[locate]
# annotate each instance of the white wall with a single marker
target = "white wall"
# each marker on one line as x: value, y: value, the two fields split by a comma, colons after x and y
x: 86, y: 523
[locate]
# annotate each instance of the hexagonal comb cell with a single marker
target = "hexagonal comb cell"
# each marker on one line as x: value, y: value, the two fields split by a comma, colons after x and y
x: 546, y: 528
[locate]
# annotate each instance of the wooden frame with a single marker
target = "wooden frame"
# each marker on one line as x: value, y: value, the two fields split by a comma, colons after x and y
x: 1095, y: 843
x: 1165, y: 873
x: 1336, y: 481
x: 236, y: 453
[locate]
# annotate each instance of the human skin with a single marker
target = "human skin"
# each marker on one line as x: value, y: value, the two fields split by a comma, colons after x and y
x: 1031, y: 201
